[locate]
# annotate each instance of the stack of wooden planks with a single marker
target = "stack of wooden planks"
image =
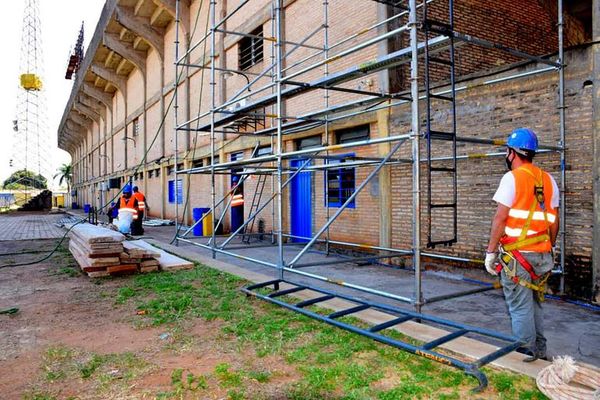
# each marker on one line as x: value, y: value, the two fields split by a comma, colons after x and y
x: 102, y: 252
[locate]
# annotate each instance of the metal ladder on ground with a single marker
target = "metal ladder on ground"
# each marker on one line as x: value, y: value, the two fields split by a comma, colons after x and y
x: 277, y: 295
x: 441, y: 142
x: 258, y: 192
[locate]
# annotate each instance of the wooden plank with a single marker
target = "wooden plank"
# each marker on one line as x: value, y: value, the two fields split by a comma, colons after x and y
x: 85, y: 262
x: 99, y: 274
x: 134, y: 247
x: 112, y: 248
x: 145, y: 270
x: 96, y: 234
x: 149, y: 263
x: 167, y: 261
x: 122, y: 269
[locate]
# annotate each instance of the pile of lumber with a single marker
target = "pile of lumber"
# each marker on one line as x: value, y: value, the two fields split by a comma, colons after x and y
x: 102, y: 252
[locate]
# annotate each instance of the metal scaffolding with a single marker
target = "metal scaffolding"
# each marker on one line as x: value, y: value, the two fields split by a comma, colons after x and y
x: 430, y: 42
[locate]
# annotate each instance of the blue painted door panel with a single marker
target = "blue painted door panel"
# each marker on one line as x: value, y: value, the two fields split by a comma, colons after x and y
x: 300, y: 203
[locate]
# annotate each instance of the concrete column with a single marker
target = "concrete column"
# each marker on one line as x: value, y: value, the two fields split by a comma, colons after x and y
x: 383, y: 124
x: 596, y: 144
x: 385, y: 182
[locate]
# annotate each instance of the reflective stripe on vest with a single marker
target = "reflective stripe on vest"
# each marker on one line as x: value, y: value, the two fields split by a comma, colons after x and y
x: 525, y: 181
x: 141, y: 200
x: 129, y: 206
x: 238, y: 200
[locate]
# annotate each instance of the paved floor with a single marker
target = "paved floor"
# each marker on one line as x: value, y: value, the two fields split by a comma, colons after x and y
x: 30, y: 225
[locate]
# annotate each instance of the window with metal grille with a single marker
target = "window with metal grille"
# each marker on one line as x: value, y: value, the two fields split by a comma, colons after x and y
x: 251, y: 49
x: 198, y: 163
x: 176, y: 191
x: 150, y: 174
x: 157, y: 172
x: 264, y: 151
x: 354, y: 134
x: 136, y: 127
x: 340, y: 182
x: 308, y: 142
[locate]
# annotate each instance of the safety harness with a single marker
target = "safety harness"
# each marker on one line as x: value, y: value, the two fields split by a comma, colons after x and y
x: 509, y: 246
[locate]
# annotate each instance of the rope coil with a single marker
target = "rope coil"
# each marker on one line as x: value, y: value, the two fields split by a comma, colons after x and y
x: 564, y: 380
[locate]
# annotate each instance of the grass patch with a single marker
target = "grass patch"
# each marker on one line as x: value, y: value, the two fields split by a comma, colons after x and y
x: 330, y: 363
x: 101, y: 371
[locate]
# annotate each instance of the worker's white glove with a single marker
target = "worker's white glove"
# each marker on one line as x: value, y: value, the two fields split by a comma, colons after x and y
x: 490, y: 262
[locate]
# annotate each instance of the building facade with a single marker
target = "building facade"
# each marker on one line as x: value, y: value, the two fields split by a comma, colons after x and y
x: 135, y: 115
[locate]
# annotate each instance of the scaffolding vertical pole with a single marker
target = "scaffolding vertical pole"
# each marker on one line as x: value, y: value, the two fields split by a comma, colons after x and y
x: 273, y: 111
x: 326, y: 97
x: 213, y: 6
x: 416, y: 159
x: 278, y: 60
x: 175, y: 115
x: 561, y: 113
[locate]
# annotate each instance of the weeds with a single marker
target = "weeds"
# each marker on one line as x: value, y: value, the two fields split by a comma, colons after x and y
x: 330, y: 363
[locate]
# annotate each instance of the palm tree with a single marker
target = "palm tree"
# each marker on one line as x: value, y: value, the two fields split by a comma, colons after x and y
x: 65, y: 172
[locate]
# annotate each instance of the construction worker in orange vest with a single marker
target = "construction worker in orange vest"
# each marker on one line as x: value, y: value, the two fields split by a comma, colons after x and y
x: 130, y: 204
x: 523, y: 234
x: 139, y: 196
x: 141, y: 201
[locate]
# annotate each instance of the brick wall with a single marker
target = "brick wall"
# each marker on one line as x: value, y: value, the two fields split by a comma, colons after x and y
x: 492, y: 112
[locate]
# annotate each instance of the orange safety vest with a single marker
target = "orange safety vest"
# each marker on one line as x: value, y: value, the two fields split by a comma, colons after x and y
x: 129, y: 205
x: 528, y: 207
x: 238, y: 200
x: 141, y: 200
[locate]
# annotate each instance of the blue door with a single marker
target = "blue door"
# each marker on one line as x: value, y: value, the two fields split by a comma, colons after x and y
x: 300, y: 203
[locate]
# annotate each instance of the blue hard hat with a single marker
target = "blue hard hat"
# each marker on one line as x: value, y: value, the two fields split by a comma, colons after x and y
x: 127, y: 188
x: 523, y: 139
x: 135, y: 189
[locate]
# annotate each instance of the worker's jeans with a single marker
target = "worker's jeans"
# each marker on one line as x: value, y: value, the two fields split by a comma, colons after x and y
x: 525, y: 309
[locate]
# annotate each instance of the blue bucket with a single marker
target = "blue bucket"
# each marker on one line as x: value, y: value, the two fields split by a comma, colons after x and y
x: 86, y: 208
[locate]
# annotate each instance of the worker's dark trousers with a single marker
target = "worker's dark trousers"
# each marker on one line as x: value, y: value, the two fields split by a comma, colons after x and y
x: 136, y: 226
x: 525, y: 310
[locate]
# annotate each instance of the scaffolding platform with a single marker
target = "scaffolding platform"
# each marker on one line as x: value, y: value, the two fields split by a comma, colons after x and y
x: 276, y: 295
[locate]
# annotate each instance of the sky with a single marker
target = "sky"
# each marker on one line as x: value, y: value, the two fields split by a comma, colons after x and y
x: 60, y: 20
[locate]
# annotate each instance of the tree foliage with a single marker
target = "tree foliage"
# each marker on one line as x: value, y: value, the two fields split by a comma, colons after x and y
x: 24, y: 179
x: 65, y: 174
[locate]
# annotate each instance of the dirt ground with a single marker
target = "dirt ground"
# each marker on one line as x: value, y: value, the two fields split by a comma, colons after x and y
x: 62, y: 309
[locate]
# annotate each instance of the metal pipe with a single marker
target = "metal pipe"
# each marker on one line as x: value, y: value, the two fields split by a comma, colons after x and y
x: 364, y: 102
x: 270, y: 39
x: 292, y: 154
x: 273, y: 110
x: 251, y: 217
x: 455, y: 295
x: 213, y: 84
x: 562, y: 144
x: 175, y: 116
x: 357, y: 245
x: 346, y: 203
x: 326, y: 98
x: 350, y: 285
x: 217, y: 250
x: 278, y: 81
x: 349, y: 51
x: 235, y: 98
x: 206, y: 36
x: 415, y: 134
x: 354, y: 36
x: 348, y: 260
